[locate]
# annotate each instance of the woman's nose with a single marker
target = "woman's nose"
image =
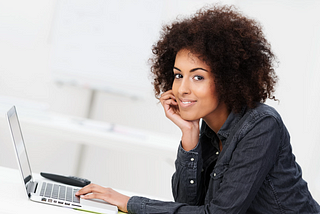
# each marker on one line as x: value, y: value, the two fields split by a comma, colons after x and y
x: 184, y: 87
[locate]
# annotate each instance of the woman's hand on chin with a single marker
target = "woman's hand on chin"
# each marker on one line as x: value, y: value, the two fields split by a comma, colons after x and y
x: 190, y: 129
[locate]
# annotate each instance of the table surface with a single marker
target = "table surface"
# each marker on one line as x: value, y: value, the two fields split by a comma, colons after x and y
x: 13, y: 198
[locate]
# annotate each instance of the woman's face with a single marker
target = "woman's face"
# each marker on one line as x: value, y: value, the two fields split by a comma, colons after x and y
x: 194, y: 87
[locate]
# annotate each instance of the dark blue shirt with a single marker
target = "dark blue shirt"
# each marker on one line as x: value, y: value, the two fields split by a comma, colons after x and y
x: 255, y: 172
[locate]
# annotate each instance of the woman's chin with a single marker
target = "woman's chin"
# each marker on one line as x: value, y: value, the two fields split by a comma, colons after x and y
x: 189, y: 117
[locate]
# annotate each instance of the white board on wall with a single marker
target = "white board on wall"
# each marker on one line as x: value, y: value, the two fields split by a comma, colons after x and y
x: 105, y: 45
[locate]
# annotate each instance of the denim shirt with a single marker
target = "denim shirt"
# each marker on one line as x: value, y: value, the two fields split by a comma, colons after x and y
x: 255, y: 172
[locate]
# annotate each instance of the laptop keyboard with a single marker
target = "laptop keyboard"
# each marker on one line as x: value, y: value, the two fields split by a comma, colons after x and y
x: 59, y: 194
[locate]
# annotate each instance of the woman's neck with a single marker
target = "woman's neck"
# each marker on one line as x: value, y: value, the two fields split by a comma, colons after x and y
x: 216, y: 119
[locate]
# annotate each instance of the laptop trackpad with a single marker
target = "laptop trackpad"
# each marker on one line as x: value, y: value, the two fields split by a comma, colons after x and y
x: 98, y: 205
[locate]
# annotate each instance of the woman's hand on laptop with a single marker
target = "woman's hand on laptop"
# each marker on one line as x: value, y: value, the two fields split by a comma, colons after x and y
x: 94, y: 191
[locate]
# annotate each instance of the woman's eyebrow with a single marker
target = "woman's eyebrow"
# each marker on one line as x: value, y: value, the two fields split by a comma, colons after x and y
x: 177, y: 69
x: 192, y: 70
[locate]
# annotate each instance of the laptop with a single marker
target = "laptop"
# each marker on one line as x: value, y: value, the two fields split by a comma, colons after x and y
x: 44, y: 191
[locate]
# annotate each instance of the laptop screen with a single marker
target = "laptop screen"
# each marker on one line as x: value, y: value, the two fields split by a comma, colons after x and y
x: 19, y: 145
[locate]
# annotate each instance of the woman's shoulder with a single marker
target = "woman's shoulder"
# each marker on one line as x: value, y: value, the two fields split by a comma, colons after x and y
x: 262, y: 114
x: 262, y: 111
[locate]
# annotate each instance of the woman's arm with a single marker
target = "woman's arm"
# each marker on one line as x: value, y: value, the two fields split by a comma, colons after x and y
x: 186, y: 181
x: 251, y: 161
x: 190, y: 129
x: 187, y: 177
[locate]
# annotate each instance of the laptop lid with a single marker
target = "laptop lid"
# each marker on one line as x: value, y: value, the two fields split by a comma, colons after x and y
x: 21, y: 152
x: 24, y: 165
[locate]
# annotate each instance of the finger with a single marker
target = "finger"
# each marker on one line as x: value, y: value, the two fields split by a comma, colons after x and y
x: 97, y: 196
x: 166, y: 94
x: 83, y: 191
x: 105, y: 195
x: 112, y: 197
x: 89, y: 189
x: 167, y: 97
x: 170, y: 102
x: 170, y: 108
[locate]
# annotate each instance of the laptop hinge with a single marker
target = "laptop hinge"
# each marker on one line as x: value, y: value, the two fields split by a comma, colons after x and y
x: 32, y: 187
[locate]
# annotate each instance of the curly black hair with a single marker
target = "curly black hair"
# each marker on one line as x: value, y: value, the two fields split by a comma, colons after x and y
x: 234, y: 47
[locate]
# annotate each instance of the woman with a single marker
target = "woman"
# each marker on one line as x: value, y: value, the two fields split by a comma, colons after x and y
x: 217, y: 67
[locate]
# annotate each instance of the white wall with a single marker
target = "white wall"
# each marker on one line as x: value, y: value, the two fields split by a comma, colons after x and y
x: 291, y: 27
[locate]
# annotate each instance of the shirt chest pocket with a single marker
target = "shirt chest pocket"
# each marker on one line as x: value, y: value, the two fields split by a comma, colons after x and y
x: 216, y: 177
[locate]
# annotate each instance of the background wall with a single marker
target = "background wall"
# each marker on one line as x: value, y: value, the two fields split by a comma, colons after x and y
x: 27, y: 57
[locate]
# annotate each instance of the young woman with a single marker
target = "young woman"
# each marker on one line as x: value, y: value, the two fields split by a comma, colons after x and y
x: 216, y: 67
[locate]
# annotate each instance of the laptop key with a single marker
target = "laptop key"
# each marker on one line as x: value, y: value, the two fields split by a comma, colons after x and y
x: 76, y: 199
x: 48, y: 190
x: 55, y: 191
x: 62, y: 194
x: 69, y: 194
x: 43, y: 187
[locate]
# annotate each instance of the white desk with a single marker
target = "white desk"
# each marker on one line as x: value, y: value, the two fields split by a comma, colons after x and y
x: 108, y: 151
x: 13, y: 198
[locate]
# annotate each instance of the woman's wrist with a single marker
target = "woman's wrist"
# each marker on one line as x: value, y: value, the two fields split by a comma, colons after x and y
x: 190, y: 138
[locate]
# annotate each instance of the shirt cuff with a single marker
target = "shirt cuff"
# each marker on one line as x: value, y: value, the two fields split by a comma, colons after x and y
x: 136, y: 204
x: 188, y: 158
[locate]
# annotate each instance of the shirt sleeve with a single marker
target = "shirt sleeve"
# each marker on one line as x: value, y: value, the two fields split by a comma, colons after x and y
x: 186, y: 180
x: 252, y: 159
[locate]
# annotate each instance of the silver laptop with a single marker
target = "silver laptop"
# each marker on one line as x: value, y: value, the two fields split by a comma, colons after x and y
x: 49, y: 192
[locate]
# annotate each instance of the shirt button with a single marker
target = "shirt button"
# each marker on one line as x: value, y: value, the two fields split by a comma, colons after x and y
x: 192, y: 159
x: 217, y: 153
x: 191, y: 181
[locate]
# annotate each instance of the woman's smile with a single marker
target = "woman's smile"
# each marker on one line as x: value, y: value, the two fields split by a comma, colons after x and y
x: 186, y: 103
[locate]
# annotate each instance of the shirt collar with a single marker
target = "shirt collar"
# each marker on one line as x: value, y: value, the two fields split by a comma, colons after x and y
x: 226, y: 128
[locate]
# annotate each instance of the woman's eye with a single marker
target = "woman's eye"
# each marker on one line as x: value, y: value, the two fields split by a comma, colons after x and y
x: 177, y: 76
x: 198, y: 78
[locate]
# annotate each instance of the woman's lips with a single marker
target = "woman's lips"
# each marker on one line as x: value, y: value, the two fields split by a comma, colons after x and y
x: 186, y: 103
